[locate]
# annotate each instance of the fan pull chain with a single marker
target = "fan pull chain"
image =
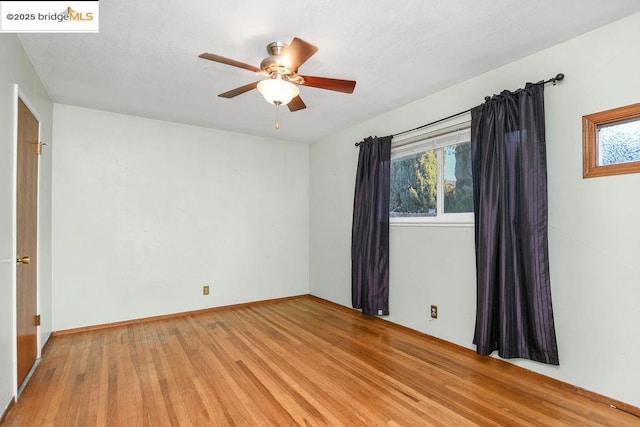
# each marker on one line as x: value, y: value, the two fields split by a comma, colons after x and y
x: 277, y: 109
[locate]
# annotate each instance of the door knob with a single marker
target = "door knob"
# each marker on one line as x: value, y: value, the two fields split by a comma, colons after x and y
x: 23, y: 260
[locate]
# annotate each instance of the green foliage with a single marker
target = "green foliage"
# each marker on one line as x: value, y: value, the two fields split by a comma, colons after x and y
x: 459, y: 197
x: 414, y: 184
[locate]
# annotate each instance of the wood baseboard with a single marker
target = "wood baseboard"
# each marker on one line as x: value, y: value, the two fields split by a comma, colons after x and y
x: 170, y: 316
x: 7, y: 409
x: 605, y: 400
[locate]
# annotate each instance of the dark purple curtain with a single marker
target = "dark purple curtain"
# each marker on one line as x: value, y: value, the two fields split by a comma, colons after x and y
x: 514, y: 312
x: 370, y: 232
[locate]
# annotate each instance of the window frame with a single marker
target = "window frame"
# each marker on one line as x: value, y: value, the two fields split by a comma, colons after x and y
x: 438, y: 139
x: 590, y: 124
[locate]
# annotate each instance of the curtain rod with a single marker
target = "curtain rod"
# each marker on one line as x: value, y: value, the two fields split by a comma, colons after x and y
x: 559, y: 77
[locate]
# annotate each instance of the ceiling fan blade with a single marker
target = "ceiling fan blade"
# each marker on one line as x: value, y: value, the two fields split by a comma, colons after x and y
x: 296, y: 104
x: 299, y: 51
x: 346, y: 86
x: 239, y: 90
x: 233, y: 62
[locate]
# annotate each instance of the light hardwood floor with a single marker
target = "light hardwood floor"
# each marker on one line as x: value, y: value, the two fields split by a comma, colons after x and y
x: 295, y: 362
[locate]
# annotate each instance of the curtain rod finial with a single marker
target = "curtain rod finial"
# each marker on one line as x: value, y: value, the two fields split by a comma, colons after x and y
x: 558, y: 78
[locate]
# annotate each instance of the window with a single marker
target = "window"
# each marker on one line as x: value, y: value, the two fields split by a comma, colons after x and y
x: 611, y: 142
x: 431, y: 178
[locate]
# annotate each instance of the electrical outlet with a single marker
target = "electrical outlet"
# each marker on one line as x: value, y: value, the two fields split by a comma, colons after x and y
x: 434, y: 311
x: 205, y: 290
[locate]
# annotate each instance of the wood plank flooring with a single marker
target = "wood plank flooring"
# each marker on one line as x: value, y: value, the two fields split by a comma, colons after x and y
x: 295, y: 362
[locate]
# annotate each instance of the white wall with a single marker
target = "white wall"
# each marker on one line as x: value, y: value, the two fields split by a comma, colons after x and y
x: 16, y: 68
x: 146, y: 212
x: 594, y: 234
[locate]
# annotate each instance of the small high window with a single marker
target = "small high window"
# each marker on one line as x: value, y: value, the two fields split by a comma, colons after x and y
x: 611, y: 142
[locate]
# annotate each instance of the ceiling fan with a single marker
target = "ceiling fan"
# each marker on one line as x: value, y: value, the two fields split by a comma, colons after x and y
x: 280, y: 69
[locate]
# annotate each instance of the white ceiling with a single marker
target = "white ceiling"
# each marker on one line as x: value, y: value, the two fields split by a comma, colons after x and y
x: 144, y: 61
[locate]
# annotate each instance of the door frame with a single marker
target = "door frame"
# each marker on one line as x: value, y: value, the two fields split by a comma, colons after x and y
x: 19, y: 94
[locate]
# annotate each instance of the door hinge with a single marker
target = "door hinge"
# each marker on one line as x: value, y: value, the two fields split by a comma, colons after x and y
x: 37, y: 320
x: 39, y: 148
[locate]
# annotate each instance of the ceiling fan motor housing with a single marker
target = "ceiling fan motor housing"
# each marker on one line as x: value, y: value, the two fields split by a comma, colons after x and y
x: 277, y: 64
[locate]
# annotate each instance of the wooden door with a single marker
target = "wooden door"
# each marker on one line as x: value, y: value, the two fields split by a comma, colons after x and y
x: 27, y: 240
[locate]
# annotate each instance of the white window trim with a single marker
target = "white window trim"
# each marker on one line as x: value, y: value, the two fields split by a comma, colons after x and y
x: 419, y: 141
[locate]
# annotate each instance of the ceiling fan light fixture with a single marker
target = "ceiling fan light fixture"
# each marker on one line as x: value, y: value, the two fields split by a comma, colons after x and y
x: 278, y: 91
